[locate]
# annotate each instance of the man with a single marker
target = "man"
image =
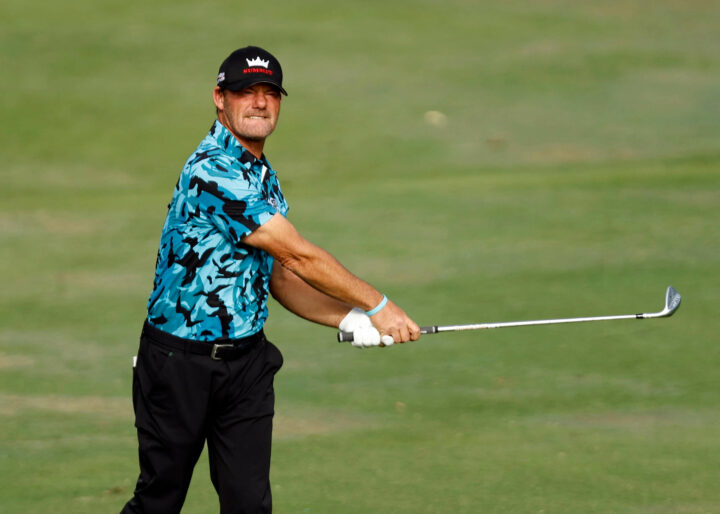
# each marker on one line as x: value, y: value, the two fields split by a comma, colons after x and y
x: 204, y: 370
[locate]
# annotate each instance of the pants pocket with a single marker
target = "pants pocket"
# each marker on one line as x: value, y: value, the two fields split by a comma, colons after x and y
x: 151, y: 362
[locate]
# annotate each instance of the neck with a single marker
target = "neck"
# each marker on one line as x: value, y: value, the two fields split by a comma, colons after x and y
x: 254, y: 147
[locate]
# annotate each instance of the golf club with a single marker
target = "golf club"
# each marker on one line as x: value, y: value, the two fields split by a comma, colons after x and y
x: 672, y: 302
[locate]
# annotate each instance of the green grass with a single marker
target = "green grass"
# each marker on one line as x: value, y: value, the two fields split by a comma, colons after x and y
x: 578, y: 174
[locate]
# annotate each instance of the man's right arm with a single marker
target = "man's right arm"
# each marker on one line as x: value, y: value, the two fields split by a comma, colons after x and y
x: 322, y: 271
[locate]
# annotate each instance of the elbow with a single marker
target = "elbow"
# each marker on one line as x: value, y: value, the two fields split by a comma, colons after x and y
x: 293, y: 262
x: 288, y: 261
x: 299, y: 258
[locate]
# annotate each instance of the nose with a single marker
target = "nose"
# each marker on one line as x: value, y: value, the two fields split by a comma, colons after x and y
x: 259, y: 100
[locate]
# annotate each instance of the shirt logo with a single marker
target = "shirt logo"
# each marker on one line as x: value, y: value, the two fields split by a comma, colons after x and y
x: 257, y: 62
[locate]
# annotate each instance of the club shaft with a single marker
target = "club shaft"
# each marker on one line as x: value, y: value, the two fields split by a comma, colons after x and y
x: 348, y: 336
x: 481, y: 326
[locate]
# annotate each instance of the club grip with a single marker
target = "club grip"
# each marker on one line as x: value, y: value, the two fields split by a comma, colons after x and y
x: 347, y: 337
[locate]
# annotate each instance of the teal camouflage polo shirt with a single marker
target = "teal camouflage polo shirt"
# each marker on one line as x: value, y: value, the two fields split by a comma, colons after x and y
x: 209, y: 285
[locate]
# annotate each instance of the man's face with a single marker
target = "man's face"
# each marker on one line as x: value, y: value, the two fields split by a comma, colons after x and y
x: 250, y: 114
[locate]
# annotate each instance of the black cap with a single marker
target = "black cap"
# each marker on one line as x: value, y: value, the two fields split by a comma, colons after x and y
x: 247, y: 66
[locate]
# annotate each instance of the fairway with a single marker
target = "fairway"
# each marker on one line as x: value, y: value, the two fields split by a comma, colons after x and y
x: 476, y: 162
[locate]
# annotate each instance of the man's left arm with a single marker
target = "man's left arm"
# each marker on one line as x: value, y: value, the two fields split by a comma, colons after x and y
x: 301, y: 299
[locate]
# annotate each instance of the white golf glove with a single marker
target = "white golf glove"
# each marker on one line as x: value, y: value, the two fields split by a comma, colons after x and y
x: 356, y: 318
x: 365, y: 335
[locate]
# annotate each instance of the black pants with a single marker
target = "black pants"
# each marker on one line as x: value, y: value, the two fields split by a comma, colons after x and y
x: 183, y: 399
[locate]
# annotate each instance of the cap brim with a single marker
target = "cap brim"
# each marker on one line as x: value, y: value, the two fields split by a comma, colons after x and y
x: 239, y: 86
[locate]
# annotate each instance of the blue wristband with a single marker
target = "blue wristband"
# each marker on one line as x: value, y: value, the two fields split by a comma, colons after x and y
x: 379, y: 307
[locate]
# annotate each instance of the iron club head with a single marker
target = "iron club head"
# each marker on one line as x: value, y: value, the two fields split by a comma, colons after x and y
x: 672, y: 302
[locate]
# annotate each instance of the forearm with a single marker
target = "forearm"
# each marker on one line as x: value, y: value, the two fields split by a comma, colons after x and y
x: 300, y: 298
x: 312, y: 264
x: 323, y: 272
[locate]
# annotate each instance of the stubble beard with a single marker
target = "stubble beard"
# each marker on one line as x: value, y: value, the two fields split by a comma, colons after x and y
x: 249, y: 130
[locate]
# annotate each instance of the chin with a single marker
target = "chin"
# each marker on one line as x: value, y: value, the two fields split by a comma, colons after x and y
x: 255, y: 135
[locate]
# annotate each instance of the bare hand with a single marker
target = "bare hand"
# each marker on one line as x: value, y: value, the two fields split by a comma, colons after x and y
x: 393, y: 321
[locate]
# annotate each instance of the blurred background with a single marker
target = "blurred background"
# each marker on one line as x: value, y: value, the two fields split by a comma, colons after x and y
x: 476, y: 161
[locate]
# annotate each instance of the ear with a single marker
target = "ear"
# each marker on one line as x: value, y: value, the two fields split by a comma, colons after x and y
x: 219, y: 98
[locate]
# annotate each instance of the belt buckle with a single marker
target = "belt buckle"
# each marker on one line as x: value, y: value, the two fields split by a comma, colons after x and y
x: 215, y: 349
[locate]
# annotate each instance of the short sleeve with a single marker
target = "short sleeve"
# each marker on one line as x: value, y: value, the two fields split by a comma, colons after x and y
x: 231, y: 199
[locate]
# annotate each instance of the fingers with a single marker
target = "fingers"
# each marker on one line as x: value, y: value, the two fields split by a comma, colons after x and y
x: 366, y: 337
x: 392, y: 321
x: 414, y: 331
x: 404, y: 335
x: 386, y: 341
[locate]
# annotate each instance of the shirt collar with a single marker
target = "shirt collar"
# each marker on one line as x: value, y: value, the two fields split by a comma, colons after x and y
x: 225, y: 140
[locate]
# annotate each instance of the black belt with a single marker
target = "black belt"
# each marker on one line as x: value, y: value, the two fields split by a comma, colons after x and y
x: 226, y: 349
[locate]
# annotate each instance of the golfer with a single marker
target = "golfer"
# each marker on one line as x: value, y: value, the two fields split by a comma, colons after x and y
x: 204, y: 370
